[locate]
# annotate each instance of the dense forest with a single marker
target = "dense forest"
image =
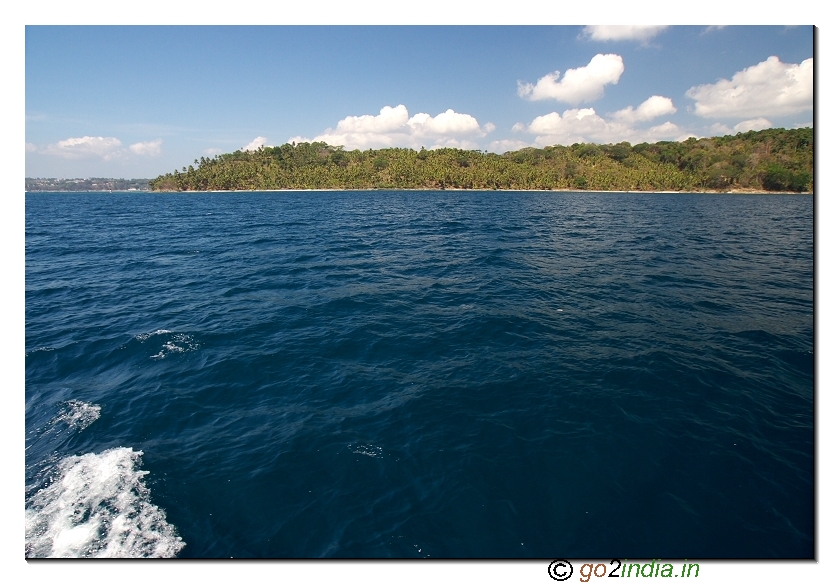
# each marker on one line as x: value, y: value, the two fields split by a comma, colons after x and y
x: 772, y: 160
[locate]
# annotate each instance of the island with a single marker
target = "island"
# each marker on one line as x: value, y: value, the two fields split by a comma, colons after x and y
x: 772, y: 160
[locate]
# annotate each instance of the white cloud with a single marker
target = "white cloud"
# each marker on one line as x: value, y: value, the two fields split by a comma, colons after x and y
x: 720, y: 129
x: 574, y: 126
x: 501, y: 146
x: 393, y: 127
x: 757, y: 124
x: 87, y: 146
x: 389, y: 119
x: 664, y: 131
x: 257, y: 143
x: 585, y: 125
x: 30, y: 147
x: 767, y: 88
x: 805, y: 124
x: 151, y: 148
x: 97, y: 147
x: 213, y: 151
x: 553, y: 123
x: 444, y: 124
x: 653, y: 107
x: 641, y: 33
x: 578, y: 85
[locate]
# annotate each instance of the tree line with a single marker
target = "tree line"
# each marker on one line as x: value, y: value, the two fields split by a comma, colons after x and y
x: 773, y: 160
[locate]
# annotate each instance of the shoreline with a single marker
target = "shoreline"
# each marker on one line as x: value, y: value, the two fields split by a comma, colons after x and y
x: 562, y: 190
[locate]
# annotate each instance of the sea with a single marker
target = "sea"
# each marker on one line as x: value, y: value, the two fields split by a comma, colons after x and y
x: 419, y: 374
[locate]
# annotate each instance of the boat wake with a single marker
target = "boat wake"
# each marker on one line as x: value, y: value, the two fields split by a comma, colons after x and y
x: 96, y: 505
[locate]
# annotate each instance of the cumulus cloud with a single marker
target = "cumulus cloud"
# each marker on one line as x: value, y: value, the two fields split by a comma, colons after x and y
x: 394, y: 127
x: 641, y: 33
x: 213, y: 151
x: 720, y: 129
x: 585, y: 125
x: 257, y: 143
x: 448, y: 123
x: 30, y: 147
x: 769, y: 88
x: 653, y: 107
x: 388, y: 120
x: 501, y: 146
x: 86, y: 147
x: 151, y: 148
x: 107, y: 148
x: 756, y: 125
x: 578, y: 85
x: 658, y: 133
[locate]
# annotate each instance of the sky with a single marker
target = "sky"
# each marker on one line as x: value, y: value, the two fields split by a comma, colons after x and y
x: 139, y: 101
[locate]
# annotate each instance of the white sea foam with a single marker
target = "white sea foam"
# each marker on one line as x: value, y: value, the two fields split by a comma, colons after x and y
x: 146, y: 335
x: 178, y: 343
x: 367, y: 449
x: 98, y: 506
x: 175, y: 344
x: 78, y: 414
x: 41, y: 349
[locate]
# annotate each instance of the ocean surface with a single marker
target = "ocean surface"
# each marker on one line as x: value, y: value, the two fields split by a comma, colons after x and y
x: 419, y: 374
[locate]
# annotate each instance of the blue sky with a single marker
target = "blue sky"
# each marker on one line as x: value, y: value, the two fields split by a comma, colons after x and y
x: 128, y: 101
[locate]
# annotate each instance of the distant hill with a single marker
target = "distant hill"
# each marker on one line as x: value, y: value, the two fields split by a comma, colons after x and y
x: 85, y: 184
x: 768, y: 160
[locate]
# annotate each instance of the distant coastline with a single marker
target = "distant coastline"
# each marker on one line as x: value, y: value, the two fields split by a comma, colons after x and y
x: 87, y: 184
x: 557, y: 190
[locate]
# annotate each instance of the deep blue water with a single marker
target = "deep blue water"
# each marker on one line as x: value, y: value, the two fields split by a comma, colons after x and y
x: 414, y: 374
